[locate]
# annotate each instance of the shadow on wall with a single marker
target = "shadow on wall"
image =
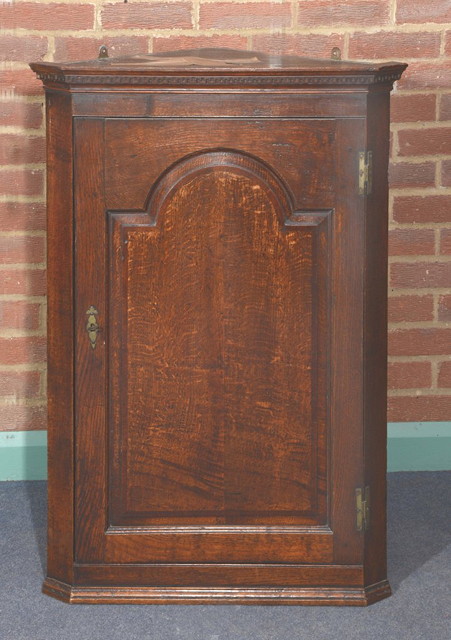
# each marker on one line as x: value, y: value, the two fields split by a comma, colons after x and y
x: 35, y: 463
x: 36, y: 493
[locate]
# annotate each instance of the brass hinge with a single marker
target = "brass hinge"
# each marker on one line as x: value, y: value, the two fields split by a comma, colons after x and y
x: 362, y: 499
x: 365, y: 172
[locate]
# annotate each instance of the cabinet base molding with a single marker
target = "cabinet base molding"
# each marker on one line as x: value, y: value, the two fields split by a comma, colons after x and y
x: 351, y: 596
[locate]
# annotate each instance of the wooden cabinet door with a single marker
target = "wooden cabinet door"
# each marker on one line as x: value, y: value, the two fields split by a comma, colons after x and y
x: 218, y: 408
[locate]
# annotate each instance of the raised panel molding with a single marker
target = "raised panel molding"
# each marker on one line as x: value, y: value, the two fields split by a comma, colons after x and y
x: 247, y: 175
x: 216, y: 159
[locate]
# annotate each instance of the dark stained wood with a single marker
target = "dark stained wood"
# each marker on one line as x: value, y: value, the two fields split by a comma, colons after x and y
x: 60, y: 331
x: 209, y: 447
x: 219, y: 337
x: 222, y: 575
x: 223, y: 67
x: 189, y: 103
x: 90, y: 364
x: 322, y: 596
x: 346, y: 347
x: 301, y: 152
x: 375, y: 339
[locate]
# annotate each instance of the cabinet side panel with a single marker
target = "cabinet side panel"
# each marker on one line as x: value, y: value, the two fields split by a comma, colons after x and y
x: 375, y: 343
x: 60, y: 336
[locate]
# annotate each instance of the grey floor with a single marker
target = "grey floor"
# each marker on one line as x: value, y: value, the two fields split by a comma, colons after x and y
x: 419, y: 572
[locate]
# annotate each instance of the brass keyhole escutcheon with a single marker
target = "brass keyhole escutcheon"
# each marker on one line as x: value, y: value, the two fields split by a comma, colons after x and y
x: 92, y: 326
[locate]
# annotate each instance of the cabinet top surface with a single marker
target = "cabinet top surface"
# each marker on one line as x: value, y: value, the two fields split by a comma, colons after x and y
x: 213, y: 65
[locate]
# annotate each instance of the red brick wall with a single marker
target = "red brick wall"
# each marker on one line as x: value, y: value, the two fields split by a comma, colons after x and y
x: 415, y: 31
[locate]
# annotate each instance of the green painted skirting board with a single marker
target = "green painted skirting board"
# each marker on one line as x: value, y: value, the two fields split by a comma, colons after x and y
x: 419, y: 446
x: 23, y: 455
x: 412, y: 446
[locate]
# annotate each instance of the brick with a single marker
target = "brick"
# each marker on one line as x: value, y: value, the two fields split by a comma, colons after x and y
x: 446, y: 173
x: 419, y: 342
x: 21, y: 149
x: 353, y: 12
x: 392, y: 44
x: 448, y: 43
x: 310, y: 45
x: 22, y: 418
x: 173, y: 43
x: 408, y: 174
x: 421, y: 12
x: 419, y: 408
x: 409, y: 375
x: 444, y: 308
x: 70, y: 48
x: 444, y: 375
x: 23, y: 182
x: 22, y: 350
x: 420, y: 274
x: 253, y: 15
x: 22, y: 216
x: 31, y: 282
x: 19, y: 82
x: 19, y: 314
x: 410, y: 308
x: 445, y: 107
x: 21, y: 114
x: 424, y: 75
x: 421, y: 142
x: 20, y: 384
x: 46, y: 17
x: 22, y: 48
x: 26, y: 249
x: 411, y: 242
x: 445, y: 242
x: 147, y: 15
x: 422, y: 208
x: 412, y: 108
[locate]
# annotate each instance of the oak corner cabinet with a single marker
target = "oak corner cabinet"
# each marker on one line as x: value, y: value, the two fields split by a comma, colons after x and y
x: 217, y: 259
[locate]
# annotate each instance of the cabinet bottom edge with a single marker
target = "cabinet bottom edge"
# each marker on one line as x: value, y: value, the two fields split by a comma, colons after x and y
x: 344, y: 596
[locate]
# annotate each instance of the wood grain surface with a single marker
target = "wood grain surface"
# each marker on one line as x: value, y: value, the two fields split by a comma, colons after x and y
x: 216, y: 296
